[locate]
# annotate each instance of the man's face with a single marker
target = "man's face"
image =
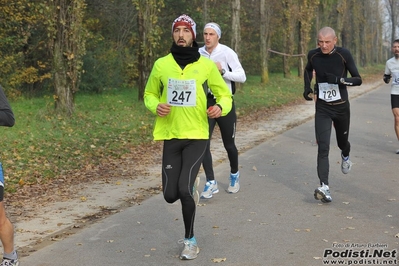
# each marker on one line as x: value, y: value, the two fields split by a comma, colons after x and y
x: 395, y: 49
x: 211, y: 38
x: 326, y: 43
x: 182, y: 36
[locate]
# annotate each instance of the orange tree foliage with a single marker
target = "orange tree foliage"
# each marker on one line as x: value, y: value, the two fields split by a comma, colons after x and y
x: 22, y: 64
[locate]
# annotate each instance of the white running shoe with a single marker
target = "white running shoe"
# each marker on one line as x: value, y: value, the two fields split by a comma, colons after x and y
x: 9, y: 262
x: 234, y: 185
x: 211, y: 187
x: 190, y: 250
x: 346, y: 165
x: 323, y: 193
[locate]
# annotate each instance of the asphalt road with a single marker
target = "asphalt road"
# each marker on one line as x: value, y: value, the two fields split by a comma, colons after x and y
x: 274, y: 219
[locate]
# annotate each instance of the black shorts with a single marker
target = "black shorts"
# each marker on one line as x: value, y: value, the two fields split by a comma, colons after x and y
x: 394, y: 101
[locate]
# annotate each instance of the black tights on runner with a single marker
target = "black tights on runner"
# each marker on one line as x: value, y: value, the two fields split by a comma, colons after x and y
x: 181, y: 161
x: 227, y: 126
x: 326, y: 116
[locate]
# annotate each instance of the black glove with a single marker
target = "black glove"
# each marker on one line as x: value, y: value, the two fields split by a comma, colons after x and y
x: 386, y: 78
x: 306, y: 93
x: 331, y: 78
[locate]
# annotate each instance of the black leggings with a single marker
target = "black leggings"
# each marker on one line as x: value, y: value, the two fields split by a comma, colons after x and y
x: 325, y: 116
x: 181, y: 161
x: 227, y: 126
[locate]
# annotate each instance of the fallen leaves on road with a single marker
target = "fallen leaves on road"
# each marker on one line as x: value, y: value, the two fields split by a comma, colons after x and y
x: 217, y: 260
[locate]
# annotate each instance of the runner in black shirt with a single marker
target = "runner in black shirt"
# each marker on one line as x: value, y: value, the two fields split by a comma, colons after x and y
x: 331, y: 65
x: 10, y: 256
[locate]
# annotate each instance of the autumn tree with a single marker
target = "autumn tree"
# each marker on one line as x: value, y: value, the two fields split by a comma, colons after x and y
x: 392, y: 7
x: 149, y: 35
x: 306, y: 17
x: 67, y: 47
x: 288, y: 34
x: 110, y: 60
x: 265, y: 17
x: 235, y: 25
x: 205, y: 9
x: 42, y: 44
x: 24, y: 63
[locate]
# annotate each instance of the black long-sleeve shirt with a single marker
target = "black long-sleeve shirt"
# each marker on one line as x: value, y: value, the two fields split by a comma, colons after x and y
x: 6, y: 115
x: 338, y: 62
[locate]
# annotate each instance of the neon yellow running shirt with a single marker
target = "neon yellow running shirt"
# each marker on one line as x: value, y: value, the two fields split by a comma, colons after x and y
x: 183, y: 89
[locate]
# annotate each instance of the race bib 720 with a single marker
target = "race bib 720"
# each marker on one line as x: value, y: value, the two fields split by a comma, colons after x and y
x: 329, y: 92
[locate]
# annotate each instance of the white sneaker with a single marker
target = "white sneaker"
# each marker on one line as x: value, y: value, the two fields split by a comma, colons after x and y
x: 190, y: 250
x: 346, y: 165
x: 211, y: 187
x: 234, y: 185
x: 9, y: 262
x: 323, y: 193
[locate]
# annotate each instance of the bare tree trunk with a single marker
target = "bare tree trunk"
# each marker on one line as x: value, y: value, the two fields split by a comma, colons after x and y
x: 67, y: 49
x: 342, y: 11
x: 148, y: 28
x: 64, y: 98
x: 141, y: 58
x: 301, y: 49
x: 288, y: 14
x: 236, y: 36
x: 264, y: 40
x: 206, y: 11
x: 392, y: 8
x: 306, y: 14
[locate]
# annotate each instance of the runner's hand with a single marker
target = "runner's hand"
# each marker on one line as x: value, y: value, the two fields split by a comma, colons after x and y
x: 386, y: 78
x: 331, y: 78
x: 306, y: 93
x: 163, y: 109
x: 214, y: 111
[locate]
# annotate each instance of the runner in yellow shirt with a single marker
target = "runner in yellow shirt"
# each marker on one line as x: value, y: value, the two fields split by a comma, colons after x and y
x: 176, y: 92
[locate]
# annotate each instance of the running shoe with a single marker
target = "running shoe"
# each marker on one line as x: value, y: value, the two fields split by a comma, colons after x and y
x: 211, y: 187
x: 323, y: 193
x: 196, y: 195
x: 397, y: 152
x: 346, y: 165
x: 8, y: 262
x: 190, y: 250
x: 234, y: 185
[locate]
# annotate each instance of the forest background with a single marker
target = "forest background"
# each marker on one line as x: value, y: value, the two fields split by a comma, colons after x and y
x: 75, y: 70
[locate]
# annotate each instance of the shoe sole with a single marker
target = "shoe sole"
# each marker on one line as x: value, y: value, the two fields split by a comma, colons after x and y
x: 210, y: 196
x: 233, y: 191
x: 346, y: 171
x: 319, y: 195
x: 187, y: 258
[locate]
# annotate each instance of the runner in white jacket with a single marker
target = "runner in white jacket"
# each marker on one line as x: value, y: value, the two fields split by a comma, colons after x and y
x: 392, y: 71
x: 230, y: 68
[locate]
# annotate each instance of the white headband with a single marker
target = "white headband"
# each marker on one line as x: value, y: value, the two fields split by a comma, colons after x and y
x: 215, y: 27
